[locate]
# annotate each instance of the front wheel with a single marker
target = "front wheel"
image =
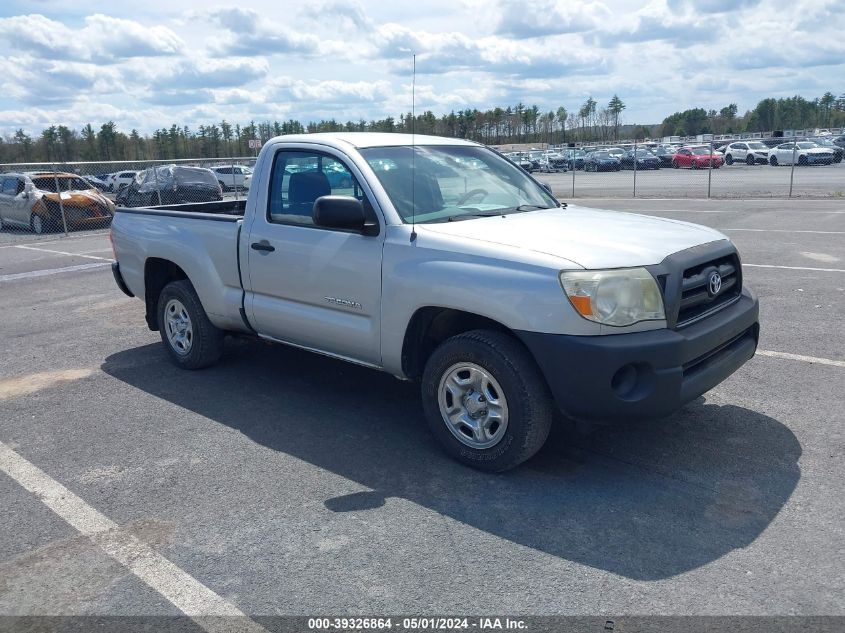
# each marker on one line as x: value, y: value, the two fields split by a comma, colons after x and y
x: 486, y: 401
x: 191, y: 340
x: 749, y: 160
x: 773, y: 161
x: 36, y: 224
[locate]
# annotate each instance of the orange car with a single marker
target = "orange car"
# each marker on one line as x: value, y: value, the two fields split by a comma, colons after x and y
x: 32, y: 200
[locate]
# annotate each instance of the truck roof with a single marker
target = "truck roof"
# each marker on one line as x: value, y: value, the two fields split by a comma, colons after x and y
x: 370, y: 139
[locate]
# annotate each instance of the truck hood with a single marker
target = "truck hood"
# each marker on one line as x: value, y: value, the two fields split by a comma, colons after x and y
x: 591, y: 238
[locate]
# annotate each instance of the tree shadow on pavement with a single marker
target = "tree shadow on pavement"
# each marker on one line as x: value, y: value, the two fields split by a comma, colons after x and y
x: 646, y: 501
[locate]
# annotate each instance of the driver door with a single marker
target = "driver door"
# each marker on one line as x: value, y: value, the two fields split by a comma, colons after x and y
x: 308, y: 285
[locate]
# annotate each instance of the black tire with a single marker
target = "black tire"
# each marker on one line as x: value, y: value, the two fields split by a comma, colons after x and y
x: 222, y: 186
x: 675, y: 165
x: 749, y: 160
x: 206, y: 340
x: 729, y: 159
x: 37, y: 224
x: 694, y: 165
x: 530, y: 404
x: 802, y: 160
x: 773, y: 161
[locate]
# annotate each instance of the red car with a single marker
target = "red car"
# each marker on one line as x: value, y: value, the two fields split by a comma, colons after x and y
x: 697, y: 158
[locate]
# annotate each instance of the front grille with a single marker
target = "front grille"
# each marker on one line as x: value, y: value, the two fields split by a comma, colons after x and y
x: 696, y: 299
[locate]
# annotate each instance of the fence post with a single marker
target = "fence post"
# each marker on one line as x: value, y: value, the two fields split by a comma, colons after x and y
x: 59, y: 194
x: 158, y: 186
x: 710, y: 169
x: 635, y: 169
x: 234, y: 180
x: 573, y: 171
x: 792, y: 170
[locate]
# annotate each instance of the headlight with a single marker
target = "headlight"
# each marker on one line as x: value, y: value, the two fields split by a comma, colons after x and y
x: 614, y: 297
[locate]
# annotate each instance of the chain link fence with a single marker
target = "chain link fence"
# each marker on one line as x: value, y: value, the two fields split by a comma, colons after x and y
x: 739, y: 168
x: 39, y: 200
x: 49, y: 200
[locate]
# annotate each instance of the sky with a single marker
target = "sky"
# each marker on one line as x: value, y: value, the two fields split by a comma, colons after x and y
x: 146, y: 65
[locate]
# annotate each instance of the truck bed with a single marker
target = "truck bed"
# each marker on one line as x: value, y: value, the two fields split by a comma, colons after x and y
x: 225, y: 210
x: 202, y: 239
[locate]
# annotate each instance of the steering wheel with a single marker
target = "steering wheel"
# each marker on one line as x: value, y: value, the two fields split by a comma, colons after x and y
x: 469, y: 194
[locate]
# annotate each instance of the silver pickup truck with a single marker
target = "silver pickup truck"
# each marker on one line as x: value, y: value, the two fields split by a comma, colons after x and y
x: 439, y: 260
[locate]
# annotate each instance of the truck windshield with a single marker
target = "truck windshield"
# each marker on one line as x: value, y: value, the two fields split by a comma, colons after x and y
x: 433, y: 183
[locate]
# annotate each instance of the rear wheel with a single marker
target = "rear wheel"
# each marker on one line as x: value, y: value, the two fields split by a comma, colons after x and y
x: 694, y: 165
x: 191, y: 340
x: 675, y: 164
x: 486, y: 401
x: 729, y: 159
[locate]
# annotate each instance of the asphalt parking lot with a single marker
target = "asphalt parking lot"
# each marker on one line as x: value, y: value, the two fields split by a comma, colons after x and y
x: 287, y: 483
x: 729, y: 181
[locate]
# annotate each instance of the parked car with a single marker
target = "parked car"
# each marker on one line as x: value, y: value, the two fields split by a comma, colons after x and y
x: 601, y: 161
x: 665, y: 155
x: 802, y: 153
x: 748, y: 152
x: 171, y: 184
x: 616, y: 152
x: 120, y: 179
x: 644, y: 159
x: 697, y: 157
x: 31, y: 200
x: 99, y: 184
x: 575, y: 158
x: 231, y: 177
x: 827, y: 142
x: 840, y: 141
x: 474, y: 291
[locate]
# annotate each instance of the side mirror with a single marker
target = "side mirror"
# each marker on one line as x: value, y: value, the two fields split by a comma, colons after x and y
x: 339, y: 212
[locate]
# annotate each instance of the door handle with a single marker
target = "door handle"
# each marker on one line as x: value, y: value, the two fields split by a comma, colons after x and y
x: 264, y: 245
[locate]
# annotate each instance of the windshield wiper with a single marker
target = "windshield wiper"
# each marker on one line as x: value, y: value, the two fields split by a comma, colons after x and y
x: 467, y: 216
x: 530, y: 207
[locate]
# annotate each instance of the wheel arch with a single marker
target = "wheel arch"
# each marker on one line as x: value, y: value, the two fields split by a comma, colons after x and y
x: 431, y: 325
x: 158, y: 272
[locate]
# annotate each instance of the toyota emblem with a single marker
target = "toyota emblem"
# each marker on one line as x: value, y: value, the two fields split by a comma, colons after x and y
x: 714, y: 283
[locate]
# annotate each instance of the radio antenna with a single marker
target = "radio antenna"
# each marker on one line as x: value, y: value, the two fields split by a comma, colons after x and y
x: 413, y: 150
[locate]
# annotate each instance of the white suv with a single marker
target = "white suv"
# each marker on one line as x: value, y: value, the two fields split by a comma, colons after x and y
x: 233, y: 176
x: 749, y: 152
x: 120, y: 179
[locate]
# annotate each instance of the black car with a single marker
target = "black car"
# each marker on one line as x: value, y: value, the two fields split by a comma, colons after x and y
x: 644, y: 158
x: 171, y: 184
x: 665, y: 155
x: 601, y: 161
x: 828, y: 143
x: 840, y: 141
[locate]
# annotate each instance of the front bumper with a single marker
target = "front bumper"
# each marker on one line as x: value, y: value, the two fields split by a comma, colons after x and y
x: 645, y: 374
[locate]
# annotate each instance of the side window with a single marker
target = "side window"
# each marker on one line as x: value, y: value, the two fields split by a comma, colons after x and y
x: 10, y: 186
x: 300, y: 177
x: 224, y: 170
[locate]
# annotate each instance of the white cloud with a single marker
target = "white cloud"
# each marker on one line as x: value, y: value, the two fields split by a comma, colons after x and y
x: 103, y: 39
x: 350, y: 59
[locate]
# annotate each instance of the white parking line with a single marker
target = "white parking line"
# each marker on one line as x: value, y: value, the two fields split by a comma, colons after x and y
x: 826, y: 270
x: 805, y: 359
x: 50, y: 271
x: 786, y: 231
x: 184, y: 591
x: 47, y: 250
